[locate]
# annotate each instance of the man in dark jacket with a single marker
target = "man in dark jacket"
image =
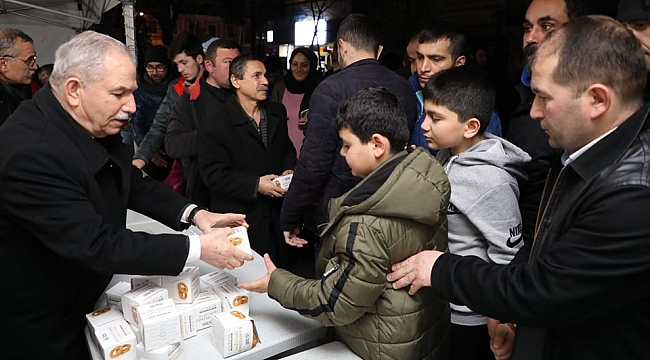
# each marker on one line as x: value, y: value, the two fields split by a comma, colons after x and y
x: 67, y: 182
x: 152, y: 88
x: 581, y: 290
x: 242, y: 150
x: 542, y: 16
x: 186, y: 53
x: 17, y: 66
x: 321, y: 172
x: 205, y: 96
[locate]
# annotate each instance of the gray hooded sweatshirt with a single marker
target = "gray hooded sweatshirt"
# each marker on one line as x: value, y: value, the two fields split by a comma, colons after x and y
x: 483, y: 213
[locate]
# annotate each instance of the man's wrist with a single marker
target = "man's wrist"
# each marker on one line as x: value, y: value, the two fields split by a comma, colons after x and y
x: 192, y: 214
x: 194, y: 253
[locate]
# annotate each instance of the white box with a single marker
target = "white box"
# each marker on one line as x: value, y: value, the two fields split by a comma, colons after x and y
x: 138, y: 281
x: 114, y: 294
x: 187, y: 316
x: 169, y: 352
x: 215, y: 278
x: 115, y: 340
x: 102, y: 317
x: 137, y: 331
x: 206, y: 305
x: 184, y: 287
x: 160, y: 324
x: 233, y: 297
x: 283, y: 181
x: 233, y: 333
x: 147, y: 294
x: 240, y: 239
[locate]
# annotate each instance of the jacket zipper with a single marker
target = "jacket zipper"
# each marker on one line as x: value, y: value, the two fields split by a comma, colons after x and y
x: 331, y: 271
x: 541, y: 219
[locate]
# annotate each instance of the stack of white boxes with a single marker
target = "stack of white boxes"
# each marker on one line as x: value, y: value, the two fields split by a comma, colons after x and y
x: 160, y: 312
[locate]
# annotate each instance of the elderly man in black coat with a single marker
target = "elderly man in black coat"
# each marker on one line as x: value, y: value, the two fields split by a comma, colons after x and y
x: 241, y: 148
x: 67, y: 181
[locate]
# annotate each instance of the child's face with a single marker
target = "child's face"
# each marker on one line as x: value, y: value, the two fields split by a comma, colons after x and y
x: 360, y: 157
x: 442, y: 130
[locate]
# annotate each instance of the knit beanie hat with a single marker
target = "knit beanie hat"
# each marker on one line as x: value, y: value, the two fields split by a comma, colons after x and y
x: 156, y: 53
x: 632, y: 10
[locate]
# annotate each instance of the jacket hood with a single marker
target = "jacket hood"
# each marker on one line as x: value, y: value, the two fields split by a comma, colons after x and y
x: 494, y: 151
x: 412, y: 186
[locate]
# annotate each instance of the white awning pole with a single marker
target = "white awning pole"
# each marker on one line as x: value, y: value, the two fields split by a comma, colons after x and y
x: 128, y: 10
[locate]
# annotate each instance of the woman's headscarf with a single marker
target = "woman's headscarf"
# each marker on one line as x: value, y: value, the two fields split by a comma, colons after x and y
x: 308, y: 85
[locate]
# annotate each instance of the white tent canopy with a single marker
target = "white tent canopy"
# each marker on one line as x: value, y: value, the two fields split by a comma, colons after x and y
x: 52, y: 22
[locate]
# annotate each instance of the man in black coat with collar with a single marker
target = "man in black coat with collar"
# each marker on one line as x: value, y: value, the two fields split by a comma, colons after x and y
x: 67, y: 181
x: 580, y: 290
x: 207, y: 95
x: 241, y: 149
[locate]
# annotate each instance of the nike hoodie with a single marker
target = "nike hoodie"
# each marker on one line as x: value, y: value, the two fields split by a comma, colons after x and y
x: 483, y: 213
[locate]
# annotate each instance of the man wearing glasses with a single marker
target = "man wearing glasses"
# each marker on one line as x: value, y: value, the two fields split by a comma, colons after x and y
x: 152, y: 88
x: 17, y: 66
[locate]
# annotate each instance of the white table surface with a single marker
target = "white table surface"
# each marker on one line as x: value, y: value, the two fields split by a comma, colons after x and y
x: 333, y: 350
x: 279, y: 329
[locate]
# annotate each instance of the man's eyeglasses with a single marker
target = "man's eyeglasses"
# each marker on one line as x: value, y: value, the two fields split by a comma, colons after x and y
x: 158, y: 68
x: 30, y: 61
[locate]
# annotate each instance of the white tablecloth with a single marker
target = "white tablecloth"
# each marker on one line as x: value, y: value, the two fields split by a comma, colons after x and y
x: 279, y: 329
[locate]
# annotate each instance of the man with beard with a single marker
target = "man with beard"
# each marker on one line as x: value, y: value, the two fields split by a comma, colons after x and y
x: 635, y: 14
x: 152, y: 88
x: 542, y: 17
x: 17, y: 66
x: 186, y: 52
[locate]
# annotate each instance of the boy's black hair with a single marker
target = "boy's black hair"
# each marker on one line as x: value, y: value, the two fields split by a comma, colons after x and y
x: 187, y: 43
x: 375, y: 110
x: 466, y: 91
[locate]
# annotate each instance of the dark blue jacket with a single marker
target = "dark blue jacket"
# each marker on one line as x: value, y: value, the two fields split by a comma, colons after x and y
x: 321, y: 172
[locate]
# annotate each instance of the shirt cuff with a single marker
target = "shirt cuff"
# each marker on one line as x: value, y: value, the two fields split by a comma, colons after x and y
x: 194, y: 254
x: 186, y: 213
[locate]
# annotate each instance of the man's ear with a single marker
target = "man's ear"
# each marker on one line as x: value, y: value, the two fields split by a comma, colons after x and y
x: 460, y: 61
x: 208, y: 65
x: 73, y: 89
x: 343, y: 46
x: 381, y: 145
x: 472, y: 126
x: 600, y: 100
x: 199, y: 59
x: 379, y: 50
x: 234, y: 81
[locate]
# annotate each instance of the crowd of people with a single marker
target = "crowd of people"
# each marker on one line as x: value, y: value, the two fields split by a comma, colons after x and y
x: 430, y: 229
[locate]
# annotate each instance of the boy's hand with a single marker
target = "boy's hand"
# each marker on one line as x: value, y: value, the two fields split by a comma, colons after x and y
x: 261, y: 285
x: 502, y: 338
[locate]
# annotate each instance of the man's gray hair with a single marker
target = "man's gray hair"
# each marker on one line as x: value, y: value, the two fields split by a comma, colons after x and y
x: 83, y: 57
x: 8, y: 39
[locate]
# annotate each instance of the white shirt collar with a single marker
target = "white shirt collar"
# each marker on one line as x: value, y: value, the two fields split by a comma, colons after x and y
x: 569, y: 158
